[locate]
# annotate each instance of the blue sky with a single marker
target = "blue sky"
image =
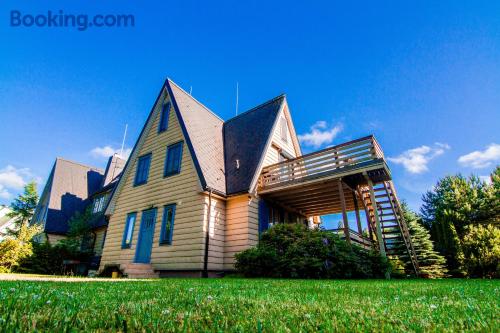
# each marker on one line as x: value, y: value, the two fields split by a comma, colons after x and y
x: 424, y: 78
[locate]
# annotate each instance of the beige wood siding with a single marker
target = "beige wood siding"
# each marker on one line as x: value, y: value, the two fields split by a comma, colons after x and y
x: 242, y: 227
x: 99, y: 241
x: 216, y: 232
x: 272, y: 154
x: 54, y: 239
x: 186, y: 251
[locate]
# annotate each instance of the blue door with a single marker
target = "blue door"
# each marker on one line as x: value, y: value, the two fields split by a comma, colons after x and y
x: 146, y: 232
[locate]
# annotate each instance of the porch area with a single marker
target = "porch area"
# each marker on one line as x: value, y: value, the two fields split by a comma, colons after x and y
x: 346, y: 179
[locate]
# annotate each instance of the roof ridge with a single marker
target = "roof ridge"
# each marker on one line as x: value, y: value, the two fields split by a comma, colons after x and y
x: 257, y: 107
x: 194, y: 99
x: 78, y: 163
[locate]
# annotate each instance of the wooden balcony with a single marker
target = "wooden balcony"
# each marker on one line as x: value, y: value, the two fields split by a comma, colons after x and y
x: 308, y: 184
x: 342, y: 160
x: 350, y: 177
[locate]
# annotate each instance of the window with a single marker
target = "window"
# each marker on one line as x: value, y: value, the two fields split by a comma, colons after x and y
x: 129, y: 231
x: 141, y: 175
x: 99, y: 204
x: 283, y: 130
x: 167, y: 226
x: 165, y: 111
x: 173, y: 160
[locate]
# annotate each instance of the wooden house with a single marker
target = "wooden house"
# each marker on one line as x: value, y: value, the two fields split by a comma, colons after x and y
x: 71, y: 188
x: 196, y: 190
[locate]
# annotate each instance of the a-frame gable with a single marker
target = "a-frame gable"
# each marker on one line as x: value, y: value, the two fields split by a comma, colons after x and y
x: 164, y: 96
x: 274, y: 143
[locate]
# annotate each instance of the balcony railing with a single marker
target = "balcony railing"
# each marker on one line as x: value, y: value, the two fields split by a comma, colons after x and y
x: 321, y: 163
x: 355, y: 237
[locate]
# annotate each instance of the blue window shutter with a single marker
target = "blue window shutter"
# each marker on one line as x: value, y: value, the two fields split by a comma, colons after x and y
x: 263, y: 216
x: 163, y: 124
x: 173, y: 160
x: 142, y: 172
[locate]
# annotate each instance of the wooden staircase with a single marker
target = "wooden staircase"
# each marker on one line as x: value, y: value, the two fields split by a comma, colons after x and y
x: 139, y: 271
x: 394, y: 230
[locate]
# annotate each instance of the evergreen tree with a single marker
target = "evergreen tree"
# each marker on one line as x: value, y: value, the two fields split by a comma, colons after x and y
x: 431, y: 263
x: 23, y: 207
x: 455, y: 205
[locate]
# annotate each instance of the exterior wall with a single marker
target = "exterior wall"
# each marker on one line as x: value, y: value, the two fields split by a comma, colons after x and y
x: 272, y: 154
x: 216, y: 232
x: 242, y: 227
x: 186, y: 251
x: 54, y: 238
x: 100, y: 234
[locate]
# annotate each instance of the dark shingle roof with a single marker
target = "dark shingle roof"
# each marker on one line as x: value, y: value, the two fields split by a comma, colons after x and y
x: 72, y: 184
x: 245, y: 138
x: 204, y: 129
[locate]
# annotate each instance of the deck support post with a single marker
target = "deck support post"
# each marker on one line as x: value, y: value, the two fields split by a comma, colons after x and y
x: 356, y: 210
x: 367, y: 213
x: 377, y: 218
x: 344, y: 212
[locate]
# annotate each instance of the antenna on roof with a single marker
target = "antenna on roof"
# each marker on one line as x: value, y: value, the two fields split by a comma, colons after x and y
x: 123, y: 142
x: 237, y: 93
x: 190, y: 90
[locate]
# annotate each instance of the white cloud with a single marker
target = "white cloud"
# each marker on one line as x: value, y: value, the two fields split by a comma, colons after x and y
x: 4, y: 194
x: 415, y: 160
x: 107, y: 151
x: 481, y: 158
x: 14, y: 179
x: 320, y: 134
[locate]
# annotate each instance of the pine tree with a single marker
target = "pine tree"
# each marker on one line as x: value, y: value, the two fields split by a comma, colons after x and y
x: 431, y: 263
x: 23, y: 207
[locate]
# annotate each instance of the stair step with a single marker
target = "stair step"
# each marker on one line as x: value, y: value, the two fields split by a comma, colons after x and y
x: 395, y: 226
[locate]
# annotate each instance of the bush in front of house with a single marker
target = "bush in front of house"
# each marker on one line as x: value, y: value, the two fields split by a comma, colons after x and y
x: 294, y: 251
x: 49, y: 259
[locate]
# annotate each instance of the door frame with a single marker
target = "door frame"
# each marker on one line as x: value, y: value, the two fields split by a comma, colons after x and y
x: 139, y: 236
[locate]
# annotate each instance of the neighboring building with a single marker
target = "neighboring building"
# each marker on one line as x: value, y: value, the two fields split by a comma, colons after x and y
x: 98, y: 201
x: 6, y: 223
x: 66, y: 192
x: 71, y: 188
x: 196, y: 190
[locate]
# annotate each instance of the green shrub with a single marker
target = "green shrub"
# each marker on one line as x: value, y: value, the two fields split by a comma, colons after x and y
x: 294, y: 251
x: 48, y: 259
x: 481, y: 251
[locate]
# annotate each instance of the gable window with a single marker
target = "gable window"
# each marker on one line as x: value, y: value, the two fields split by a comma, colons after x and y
x: 165, y: 111
x: 167, y: 226
x: 142, y: 172
x: 283, y: 130
x: 129, y: 231
x: 173, y: 160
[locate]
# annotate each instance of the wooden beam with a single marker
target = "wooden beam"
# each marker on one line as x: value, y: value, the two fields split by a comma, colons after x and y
x: 325, y: 186
x: 356, y: 210
x: 344, y: 212
x: 377, y: 219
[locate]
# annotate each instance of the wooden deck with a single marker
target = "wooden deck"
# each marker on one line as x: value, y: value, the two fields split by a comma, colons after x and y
x: 350, y: 177
x: 308, y: 184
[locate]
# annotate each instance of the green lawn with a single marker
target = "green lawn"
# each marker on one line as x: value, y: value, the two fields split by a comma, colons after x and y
x: 243, y: 305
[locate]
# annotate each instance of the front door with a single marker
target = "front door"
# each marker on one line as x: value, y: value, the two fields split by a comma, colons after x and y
x: 146, y: 232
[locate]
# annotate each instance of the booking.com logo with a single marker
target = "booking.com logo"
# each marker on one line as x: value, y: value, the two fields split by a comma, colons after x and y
x: 81, y: 21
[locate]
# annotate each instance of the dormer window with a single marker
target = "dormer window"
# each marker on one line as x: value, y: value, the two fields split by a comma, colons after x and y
x: 99, y: 204
x: 283, y: 130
